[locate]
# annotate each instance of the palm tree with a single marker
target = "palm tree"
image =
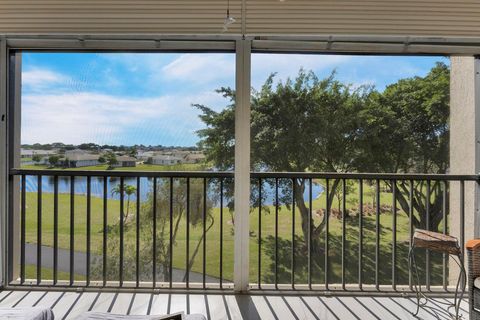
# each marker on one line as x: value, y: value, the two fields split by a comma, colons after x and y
x: 128, y: 191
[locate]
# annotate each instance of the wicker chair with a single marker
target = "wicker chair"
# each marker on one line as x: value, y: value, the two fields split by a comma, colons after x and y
x: 473, y: 252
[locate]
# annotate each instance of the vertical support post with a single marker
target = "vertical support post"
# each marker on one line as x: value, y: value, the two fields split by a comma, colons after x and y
x: 464, y: 148
x: 14, y: 80
x: 242, y: 165
x: 3, y: 162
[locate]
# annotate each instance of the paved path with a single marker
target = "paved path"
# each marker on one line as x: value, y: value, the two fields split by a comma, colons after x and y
x: 80, y: 265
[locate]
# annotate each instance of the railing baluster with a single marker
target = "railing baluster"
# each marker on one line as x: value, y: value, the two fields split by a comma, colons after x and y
x: 259, y: 233
x: 360, y: 234
x: 410, y: 229
x: 344, y: 228
x: 105, y: 229
x: 72, y: 229
x: 170, y: 243
x: 204, y: 231
x: 394, y: 234
x: 22, y: 232
x: 137, y: 234
x: 89, y: 222
x: 221, y: 233
x: 120, y: 258
x: 293, y: 232
x: 445, y: 256
x: 276, y: 234
x: 377, y: 235
x: 154, y: 234
x: 427, y: 222
x: 39, y: 229
x: 55, y: 230
x: 327, y: 227
x: 187, y: 255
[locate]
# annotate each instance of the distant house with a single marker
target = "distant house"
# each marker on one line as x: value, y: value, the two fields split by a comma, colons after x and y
x: 126, y: 161
x: 179, y: 153
x: 194, y: 158
x: 29, y: 153
x: 145, y: 155
x: 81, y: 160
x: 165, y: 160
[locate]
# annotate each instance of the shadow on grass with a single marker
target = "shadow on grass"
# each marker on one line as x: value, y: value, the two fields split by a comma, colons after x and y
x: 351, y: 259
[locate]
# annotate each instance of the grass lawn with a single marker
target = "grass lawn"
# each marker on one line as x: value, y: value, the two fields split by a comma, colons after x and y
x: 268, y: 243
x: 31, y: 273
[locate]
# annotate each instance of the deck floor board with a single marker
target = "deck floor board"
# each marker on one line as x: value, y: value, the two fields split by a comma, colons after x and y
x: 69, y: 305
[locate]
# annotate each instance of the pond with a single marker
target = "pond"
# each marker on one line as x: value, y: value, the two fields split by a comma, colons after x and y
x: 146, y: 187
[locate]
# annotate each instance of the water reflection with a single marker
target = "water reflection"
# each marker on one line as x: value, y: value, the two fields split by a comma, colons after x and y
x: 146, y: 187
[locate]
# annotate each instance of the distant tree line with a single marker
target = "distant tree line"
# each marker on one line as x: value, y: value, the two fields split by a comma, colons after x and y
x: 96, y: 147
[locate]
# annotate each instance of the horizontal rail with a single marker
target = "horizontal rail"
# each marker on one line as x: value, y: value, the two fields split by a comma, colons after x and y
x: 197, y: 288
x: 124, y: 174
x: 228, y: 174
x: 366, y: 176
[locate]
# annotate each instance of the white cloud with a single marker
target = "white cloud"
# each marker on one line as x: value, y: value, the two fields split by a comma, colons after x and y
x: 42, y: 77
x: 205, y: 69
x: 104, y: 119
x: 201, y: 67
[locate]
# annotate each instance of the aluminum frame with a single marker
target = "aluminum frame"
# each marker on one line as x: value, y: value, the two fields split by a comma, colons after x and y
x: 328, y: 43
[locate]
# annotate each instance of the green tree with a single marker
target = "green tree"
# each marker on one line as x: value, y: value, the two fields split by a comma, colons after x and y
x: 323, y: 125
x: 132, y: 152
x: 128, y: 191
x: 111, y: 159
x: 304, y: 124
x: 405, y: 129
x: 53, y: 160
x: 36, y: 158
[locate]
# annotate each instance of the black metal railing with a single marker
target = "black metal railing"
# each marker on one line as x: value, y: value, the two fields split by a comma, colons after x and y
x: 356, y: 245
x: 309, y: 231
x: 209, y: 191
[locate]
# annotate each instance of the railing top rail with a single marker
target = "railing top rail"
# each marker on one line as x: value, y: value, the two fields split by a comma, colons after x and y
x: 229, y: 174
x: 366, y: 176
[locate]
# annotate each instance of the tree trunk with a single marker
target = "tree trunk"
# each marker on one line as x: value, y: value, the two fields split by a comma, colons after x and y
x: 419, y: 205
x: 307, y: 221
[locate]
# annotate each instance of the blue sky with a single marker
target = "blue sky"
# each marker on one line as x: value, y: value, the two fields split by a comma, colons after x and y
x: 132, y: 98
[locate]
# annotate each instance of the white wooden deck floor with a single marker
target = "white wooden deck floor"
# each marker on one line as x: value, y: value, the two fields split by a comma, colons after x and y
x: 68, y: 305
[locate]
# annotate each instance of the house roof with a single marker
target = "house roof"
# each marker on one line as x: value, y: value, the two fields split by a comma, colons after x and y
x: 26, y: 152
x: 125, y: 158
x: 166, y: 158
x: 82, y: 157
